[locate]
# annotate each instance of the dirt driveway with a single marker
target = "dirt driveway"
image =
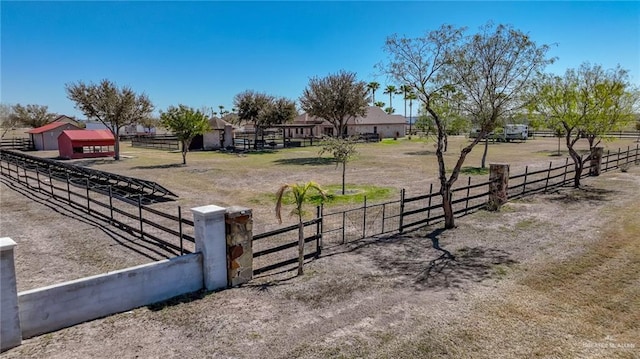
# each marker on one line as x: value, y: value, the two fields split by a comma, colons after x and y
x: 398, y: 297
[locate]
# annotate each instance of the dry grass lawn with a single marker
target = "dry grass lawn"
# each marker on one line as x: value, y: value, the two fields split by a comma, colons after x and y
x: 555, y: 275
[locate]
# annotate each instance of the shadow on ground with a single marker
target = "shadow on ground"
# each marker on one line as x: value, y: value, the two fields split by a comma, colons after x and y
x: 305, y: 161
x: 151, y: 167
x: 418, y: 260
x: 584, y: 193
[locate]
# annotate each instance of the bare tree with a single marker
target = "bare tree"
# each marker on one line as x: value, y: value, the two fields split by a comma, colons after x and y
x: 493, y: 71
x: 8, y: 119
x: 435, y: 64
x: 32, y: 115
x: 336, y: 98
x: 114, y: 107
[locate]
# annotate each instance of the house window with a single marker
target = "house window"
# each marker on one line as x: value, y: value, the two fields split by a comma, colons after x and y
x: 78, y: 150
x: 375, y: 129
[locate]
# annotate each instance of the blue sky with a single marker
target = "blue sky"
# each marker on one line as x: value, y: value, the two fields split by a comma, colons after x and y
x: 204, y: 53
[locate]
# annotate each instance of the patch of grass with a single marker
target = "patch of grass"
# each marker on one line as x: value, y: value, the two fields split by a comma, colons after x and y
x: 353, y: 194
x: 474, y: 171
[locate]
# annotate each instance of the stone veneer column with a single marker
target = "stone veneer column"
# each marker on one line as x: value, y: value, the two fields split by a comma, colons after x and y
x: 596, y: 161
x: 10, y: 331
x: 211, y: 242
x: 239, y: 229
x: 498, y: 185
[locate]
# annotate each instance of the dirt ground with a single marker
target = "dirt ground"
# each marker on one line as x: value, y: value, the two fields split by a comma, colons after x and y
x: 398, y: 296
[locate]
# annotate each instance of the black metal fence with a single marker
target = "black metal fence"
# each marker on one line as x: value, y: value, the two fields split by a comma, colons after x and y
x: 22, y: 144
x: 173, y: 233
x: 158, y: 142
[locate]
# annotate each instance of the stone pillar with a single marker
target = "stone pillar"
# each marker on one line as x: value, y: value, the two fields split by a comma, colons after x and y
x: 10, y: 331
x: 239, y: 229
x: 596, y: 161
x: 498, y: 185
x: 211, y: 242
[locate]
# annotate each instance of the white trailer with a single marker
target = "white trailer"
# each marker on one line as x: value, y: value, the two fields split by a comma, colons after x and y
x: 516, y: 132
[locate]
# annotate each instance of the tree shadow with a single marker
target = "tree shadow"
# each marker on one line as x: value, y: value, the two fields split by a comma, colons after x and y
x: 584, y: 193
x: 305, y: 161
x: 420, y: 153
x: 150, y: 167
x: 413, y: 262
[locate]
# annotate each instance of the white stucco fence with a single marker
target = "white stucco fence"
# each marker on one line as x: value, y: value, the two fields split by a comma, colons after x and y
x: 46, y: 309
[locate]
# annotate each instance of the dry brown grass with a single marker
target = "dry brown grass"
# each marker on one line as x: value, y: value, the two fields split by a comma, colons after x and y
x: 552, y: 276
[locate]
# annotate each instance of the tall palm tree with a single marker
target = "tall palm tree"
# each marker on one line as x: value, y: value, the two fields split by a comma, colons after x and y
x: 373, y: 86
x: 379, y: 104
x: 410, y: 96
x: 405, y: 89
x: 391, y: 90
x: 300, y: 192
x: 221, y: 110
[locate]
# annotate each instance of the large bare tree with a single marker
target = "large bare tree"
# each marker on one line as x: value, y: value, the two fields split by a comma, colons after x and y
x: 336, y: 98
x: 113, y: 106
x: 443, y: 61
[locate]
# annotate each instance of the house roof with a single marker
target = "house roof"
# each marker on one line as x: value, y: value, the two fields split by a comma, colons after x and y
x: 218, y: 123
x: 89, y: 135
x: 49, y: 127
x: 374, y: 116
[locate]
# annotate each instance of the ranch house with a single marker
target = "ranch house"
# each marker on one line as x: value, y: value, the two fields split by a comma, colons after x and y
x: 376, y: 121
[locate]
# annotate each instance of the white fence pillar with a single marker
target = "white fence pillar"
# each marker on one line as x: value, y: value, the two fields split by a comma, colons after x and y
x: 10, y: 332
x: 211, y: 242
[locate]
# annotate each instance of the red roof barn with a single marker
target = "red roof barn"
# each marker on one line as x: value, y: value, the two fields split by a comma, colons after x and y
x: 86, y: 143
x: 45, y: 138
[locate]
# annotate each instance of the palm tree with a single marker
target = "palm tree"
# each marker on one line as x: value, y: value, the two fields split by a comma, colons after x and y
x: 405, y: 89
x: 410, y: 96
x: 300, y: 192
x: 379, y: 104
x: 373, y: 86
x: 391, y: 90
x: 221, y: 110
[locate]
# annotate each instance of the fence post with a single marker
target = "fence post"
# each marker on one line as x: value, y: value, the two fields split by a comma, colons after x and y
x: 637, y: 150
x: 140, y: 214
x: 88, y: 200
x: 498, y: 185
x: 319, y: 231
x: 344, y: 223
x: 51, y: 183
x: 239, y: 241
x: 37, y: 177
x: 364, y: 219
x: 606, y: 168
x: 68, y: 188
x: 524, y: 184
x: 209, y: 226
x: 384, y: 207
x: 546, y: 183
x: 596, y: 161
x: 618, y: 158
x: 180, y: 230
x: 10, y: 330
x: 429, y: 202
x: 566, y: 165
x: 466, y: 203
x: 400, y: 229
